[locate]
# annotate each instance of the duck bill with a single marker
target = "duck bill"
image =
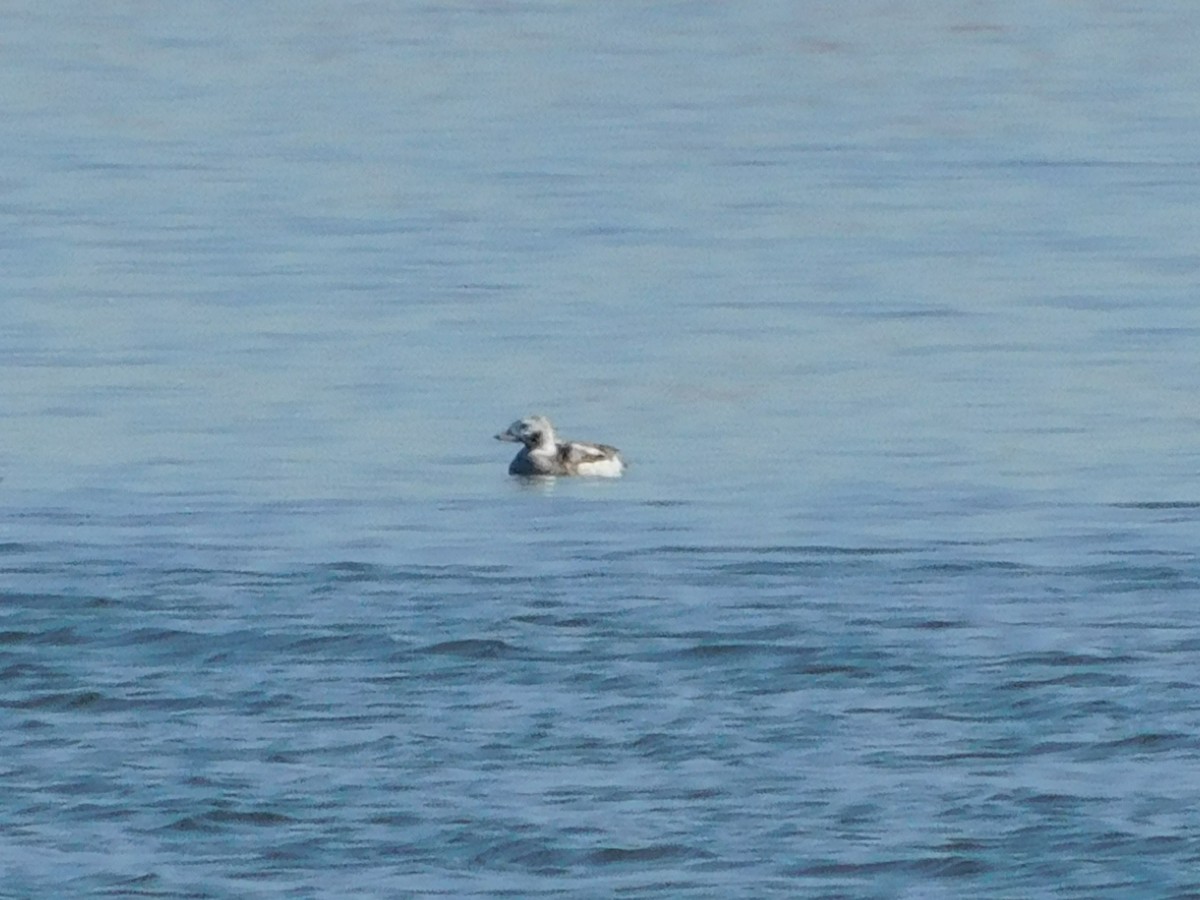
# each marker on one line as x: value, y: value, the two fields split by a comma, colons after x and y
x: 507, y: 436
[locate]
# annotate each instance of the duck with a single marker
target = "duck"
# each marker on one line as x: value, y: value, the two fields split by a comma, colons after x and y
x: 545, y: 453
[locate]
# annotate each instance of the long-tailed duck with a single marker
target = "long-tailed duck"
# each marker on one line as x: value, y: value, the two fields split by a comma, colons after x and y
x: 545, y: 454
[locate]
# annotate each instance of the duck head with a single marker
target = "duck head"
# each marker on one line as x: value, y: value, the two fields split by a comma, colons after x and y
x: 532, y: 431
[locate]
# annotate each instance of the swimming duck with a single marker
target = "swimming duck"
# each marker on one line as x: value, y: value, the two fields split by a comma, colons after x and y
x: 545, y: 454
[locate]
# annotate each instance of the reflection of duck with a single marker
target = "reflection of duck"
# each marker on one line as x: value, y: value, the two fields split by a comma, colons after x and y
x: 544, y: 454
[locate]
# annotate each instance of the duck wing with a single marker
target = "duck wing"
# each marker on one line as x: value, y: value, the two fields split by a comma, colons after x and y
x: 574, y: 453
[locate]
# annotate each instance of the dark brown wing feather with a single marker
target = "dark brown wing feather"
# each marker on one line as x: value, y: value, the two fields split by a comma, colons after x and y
x: 574, y: 454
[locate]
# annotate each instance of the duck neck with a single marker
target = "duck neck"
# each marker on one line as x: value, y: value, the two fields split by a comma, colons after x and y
x: 542, y: 442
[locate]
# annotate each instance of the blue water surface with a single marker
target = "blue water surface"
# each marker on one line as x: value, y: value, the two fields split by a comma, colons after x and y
x: 891, y: 307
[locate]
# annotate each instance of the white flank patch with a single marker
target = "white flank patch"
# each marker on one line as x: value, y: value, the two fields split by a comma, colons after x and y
x: 605, y: 468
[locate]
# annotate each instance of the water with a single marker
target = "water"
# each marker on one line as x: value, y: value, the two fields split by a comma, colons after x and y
x: 891, y: 308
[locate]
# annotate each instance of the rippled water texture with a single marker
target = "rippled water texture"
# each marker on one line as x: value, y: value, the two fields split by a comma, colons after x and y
x: 892, y: 308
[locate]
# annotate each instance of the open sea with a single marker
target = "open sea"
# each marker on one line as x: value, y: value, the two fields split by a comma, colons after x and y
x: 893, y: 308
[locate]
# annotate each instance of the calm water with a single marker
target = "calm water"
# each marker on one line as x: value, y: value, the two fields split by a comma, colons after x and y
x: 893, y: 309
